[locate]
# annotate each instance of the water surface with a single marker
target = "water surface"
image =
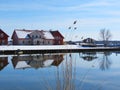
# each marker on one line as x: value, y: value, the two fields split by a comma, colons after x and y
x: 60, y: 71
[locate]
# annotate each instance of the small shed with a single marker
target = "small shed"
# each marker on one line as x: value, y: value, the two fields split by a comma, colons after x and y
x: 89, y: 42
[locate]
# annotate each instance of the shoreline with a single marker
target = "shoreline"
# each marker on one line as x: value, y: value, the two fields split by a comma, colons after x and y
x: 29, y: 49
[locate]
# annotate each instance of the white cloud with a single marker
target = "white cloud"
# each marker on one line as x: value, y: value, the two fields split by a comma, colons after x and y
x: 97, y: 15
x: 18, y: 7
x: 39, y: 6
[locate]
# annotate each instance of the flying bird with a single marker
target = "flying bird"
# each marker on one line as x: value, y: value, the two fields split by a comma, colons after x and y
x: 75, y: 28
x: 75, y: 22
x: 69, y: 28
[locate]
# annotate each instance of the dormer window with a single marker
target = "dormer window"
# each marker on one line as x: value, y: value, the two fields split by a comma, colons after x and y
x: 28, y: 36
x: 36, y: 36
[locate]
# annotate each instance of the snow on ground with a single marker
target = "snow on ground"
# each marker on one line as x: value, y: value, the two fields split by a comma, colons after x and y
x: 48, y: 47
x: 38, y: 47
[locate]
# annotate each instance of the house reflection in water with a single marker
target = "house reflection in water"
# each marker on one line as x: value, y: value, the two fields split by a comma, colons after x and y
x: 3, y: 62
x: 89, y: 56
x: 36, y: 61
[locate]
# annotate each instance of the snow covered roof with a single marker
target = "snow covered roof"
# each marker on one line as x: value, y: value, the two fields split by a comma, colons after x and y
x: 24, y: 33
x: 48, y: 63
x: 48, y: 35
x: 56, y: 33
x: 22, y: 64
x: 1, y: 31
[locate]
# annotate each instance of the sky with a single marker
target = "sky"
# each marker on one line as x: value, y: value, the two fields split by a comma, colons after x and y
x: 91, y: 16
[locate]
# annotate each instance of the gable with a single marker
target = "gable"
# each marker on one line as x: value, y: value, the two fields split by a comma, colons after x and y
x: 57, y: 34
x: 3, y: 34
x: 48, y: 35
x: 21, y: 33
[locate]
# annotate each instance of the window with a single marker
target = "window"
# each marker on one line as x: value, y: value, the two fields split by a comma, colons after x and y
x: 23, y: 42
x: 3, y: 42
x: 36, y: 36
x: 1, y: 35
x: 29, y: 42
x: 38, y: 42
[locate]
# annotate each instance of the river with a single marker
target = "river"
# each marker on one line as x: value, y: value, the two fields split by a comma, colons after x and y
x: 60, y: 71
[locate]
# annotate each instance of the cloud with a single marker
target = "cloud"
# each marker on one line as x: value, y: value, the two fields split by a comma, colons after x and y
x: 49, y: 6
x: 91, y: 16
x: 79, y: 6
x: 19, y: 7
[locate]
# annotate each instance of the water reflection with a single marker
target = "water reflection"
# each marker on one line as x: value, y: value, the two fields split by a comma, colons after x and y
x: 3, y: 62
x: 68, y: 72
x: 105, y: 61
x: 36, y: 61
x: 89, y: 56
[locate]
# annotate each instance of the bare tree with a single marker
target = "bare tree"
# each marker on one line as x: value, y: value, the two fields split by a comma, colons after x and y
x: 105, y: 36
x: 105, y: 62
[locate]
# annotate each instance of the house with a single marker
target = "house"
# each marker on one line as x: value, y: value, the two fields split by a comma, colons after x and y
x: 89, y: 42
x: 3, y: 38
x: 36, y: 37
x: 58, y: 38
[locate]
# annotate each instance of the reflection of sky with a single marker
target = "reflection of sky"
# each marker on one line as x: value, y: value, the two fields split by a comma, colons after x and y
x: 88, y: 75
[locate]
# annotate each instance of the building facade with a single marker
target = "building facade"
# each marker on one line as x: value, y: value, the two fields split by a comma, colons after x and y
x: 88, y: 42
x: 33, y: 37
x: 3, y: 38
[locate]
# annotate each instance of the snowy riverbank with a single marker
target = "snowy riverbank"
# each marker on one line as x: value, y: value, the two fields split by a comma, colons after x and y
x: 38, y: 47
x: 49, y: 47
x: 11, y: 49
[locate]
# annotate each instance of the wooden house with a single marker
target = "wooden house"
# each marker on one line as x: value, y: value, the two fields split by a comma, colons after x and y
x: 32, y: 37
x: 58, y: 37
x: 36, y: 37
x: 88, y: 42
x: 3, y: 38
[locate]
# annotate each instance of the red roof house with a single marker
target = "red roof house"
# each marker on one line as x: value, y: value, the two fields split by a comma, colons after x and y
x: 3, y: 38
x: 36, y: 37
x: 58, y: 38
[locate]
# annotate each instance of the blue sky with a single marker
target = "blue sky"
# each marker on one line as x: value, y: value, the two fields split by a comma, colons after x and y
x: 91, y: 16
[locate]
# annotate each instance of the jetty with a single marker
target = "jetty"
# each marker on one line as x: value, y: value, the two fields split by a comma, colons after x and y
x: 20, y: 49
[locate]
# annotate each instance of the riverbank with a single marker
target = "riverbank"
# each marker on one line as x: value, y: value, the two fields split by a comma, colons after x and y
x: 51, y: 49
